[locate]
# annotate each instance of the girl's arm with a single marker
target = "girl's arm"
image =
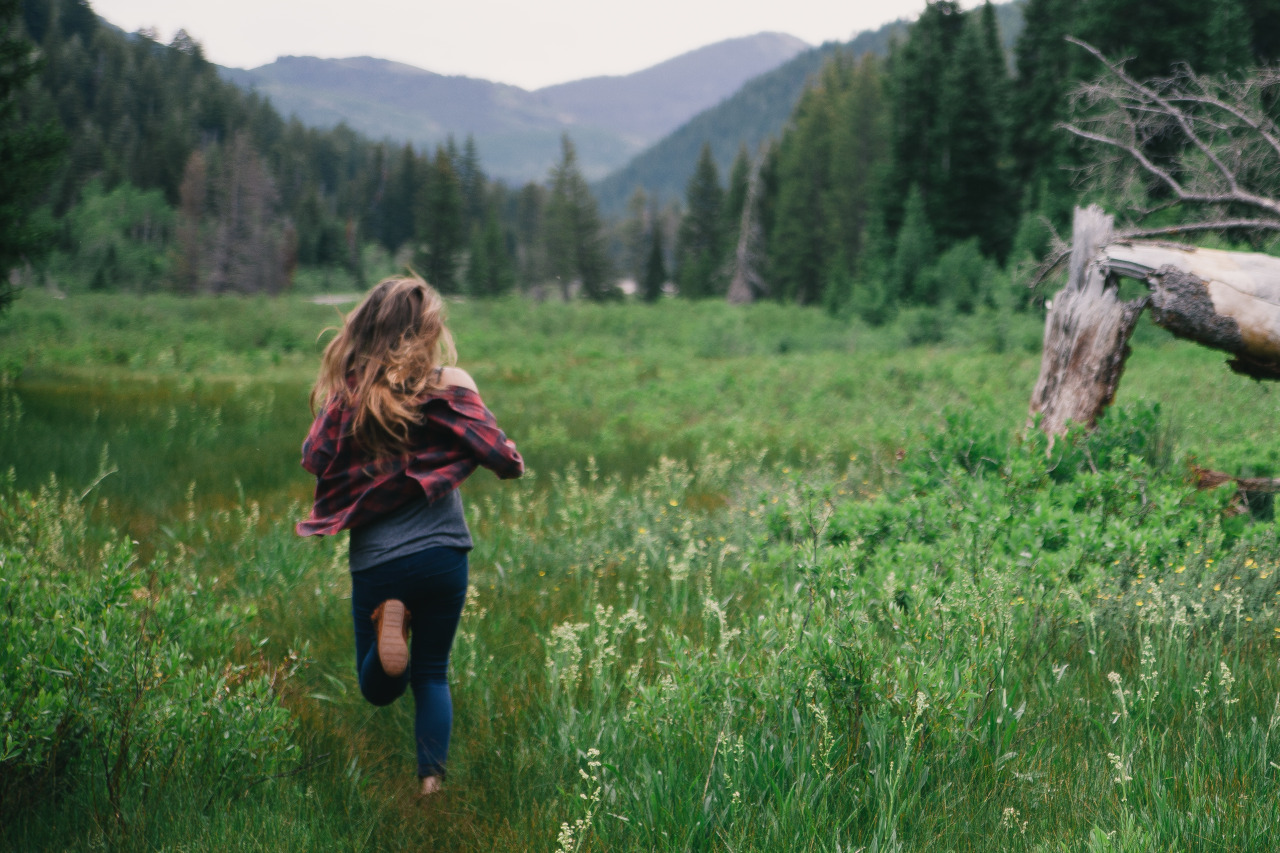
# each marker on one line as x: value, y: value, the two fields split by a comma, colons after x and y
x: 461, y: 411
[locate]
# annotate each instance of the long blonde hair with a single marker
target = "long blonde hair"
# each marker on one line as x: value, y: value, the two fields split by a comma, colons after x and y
x: 386, y: 356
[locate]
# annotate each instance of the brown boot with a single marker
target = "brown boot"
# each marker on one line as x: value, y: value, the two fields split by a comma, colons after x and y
x: 391, y: 624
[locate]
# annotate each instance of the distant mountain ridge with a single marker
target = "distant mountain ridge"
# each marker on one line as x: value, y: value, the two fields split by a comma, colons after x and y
x: 651, y: 103
x: 359, y: 89
x: 517, y: 132
x: 756, y: 112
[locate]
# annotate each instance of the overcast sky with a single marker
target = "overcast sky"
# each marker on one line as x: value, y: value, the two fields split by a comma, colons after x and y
x: 529, y: 43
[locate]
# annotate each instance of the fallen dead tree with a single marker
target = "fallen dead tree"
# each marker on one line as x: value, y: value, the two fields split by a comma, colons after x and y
x: 1228, y: 301
x: 1199, y: 143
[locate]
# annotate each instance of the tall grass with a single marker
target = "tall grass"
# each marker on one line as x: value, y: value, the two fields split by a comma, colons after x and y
x: 822, y: 599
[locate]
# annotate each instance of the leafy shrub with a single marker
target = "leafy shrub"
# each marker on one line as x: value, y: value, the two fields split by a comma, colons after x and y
x: 118, y: 238
x: 1095, y: 499
x: 104, y: 702
x: 962, y: 276
x: 922, y: 325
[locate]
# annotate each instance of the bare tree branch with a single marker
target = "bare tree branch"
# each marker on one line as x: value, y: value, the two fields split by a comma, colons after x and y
x: 1134, y: 151
x: 1230, y: 148
x: 1178, y: 115
x: 1048, y: 266
x: 1196, y: 227
x: 1254, y: 123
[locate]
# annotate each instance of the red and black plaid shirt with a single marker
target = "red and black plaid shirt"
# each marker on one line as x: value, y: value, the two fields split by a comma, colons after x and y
x: 457, y: 435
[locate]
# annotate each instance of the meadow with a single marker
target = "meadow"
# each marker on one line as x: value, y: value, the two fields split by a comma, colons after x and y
x: 774, y: 581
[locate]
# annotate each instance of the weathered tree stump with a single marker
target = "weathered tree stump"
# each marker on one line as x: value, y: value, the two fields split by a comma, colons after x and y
x: 1086, y: 333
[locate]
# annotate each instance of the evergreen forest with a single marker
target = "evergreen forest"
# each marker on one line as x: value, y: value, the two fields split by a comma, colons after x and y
x: 929, y: 178
x: 937, y: 177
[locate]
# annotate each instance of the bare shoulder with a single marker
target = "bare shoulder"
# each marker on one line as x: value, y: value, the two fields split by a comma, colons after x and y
x: 458, y: 376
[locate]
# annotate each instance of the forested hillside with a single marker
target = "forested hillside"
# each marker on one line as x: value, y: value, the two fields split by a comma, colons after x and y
x: 648, y: 104
x: 923, y: 179
x: 517, y: 132
x: 159, y: 174
x: 752, y: 116
x: 920, y: 166
x: 389, y: 100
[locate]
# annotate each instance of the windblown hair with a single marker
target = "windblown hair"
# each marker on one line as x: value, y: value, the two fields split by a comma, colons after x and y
x: 383, y: 360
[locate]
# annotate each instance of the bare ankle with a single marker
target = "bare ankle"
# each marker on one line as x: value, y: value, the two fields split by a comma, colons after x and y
x: 430, y: 785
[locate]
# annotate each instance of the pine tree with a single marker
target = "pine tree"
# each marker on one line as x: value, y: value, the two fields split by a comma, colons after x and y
x: 859, y: 156
x: 439, y: 224
x: 30, y: 152
x: 919, y: 140
x: 655, y: 267
x: 531, y: 253
x: 575, y: 245
x: 1044, y: 62
x: 797, y: 245
x: 489, y: 268
x: 1156, y: 36
x: 700, y: 242
x: 736, y: 196
x: 471, y: 182
x: 873, y: 297
x: 972, y: 190
x: 914, y: 252
x: 404, y: 179
x: 634, y: 235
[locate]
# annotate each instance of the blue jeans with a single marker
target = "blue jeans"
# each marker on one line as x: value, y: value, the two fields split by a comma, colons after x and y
x: 433, y: 586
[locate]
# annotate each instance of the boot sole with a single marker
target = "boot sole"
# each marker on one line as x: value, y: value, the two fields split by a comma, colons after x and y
x: 393, y: 651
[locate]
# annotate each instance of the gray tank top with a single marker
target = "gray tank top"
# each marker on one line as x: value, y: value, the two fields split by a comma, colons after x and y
x: 413, y: 527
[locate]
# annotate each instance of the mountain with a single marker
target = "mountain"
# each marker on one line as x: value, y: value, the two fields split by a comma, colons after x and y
x: 649, y: 104
x: 517, y: 132
x: 755, y: 113
x: 517, y: 135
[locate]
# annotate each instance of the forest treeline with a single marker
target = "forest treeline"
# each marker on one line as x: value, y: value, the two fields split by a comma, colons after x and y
x: 158, y: 173
x: 919, y: 179
x: 924, y: 178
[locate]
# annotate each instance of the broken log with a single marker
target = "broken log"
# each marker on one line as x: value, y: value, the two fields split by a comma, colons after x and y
x: 1086, y: 333
x: 1228, y: 301
x: 1205, y: 478
x: 1251, y: 493
x: 1225, y: 300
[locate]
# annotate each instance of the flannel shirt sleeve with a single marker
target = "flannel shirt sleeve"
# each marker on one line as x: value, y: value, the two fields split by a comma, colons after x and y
x: 319, y: 447
x: 461, y: 412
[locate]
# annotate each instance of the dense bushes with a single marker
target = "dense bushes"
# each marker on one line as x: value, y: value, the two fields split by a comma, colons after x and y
x: 122, y: 688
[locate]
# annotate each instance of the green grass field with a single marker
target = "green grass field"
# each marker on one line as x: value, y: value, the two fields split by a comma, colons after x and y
x: 774, y: 582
